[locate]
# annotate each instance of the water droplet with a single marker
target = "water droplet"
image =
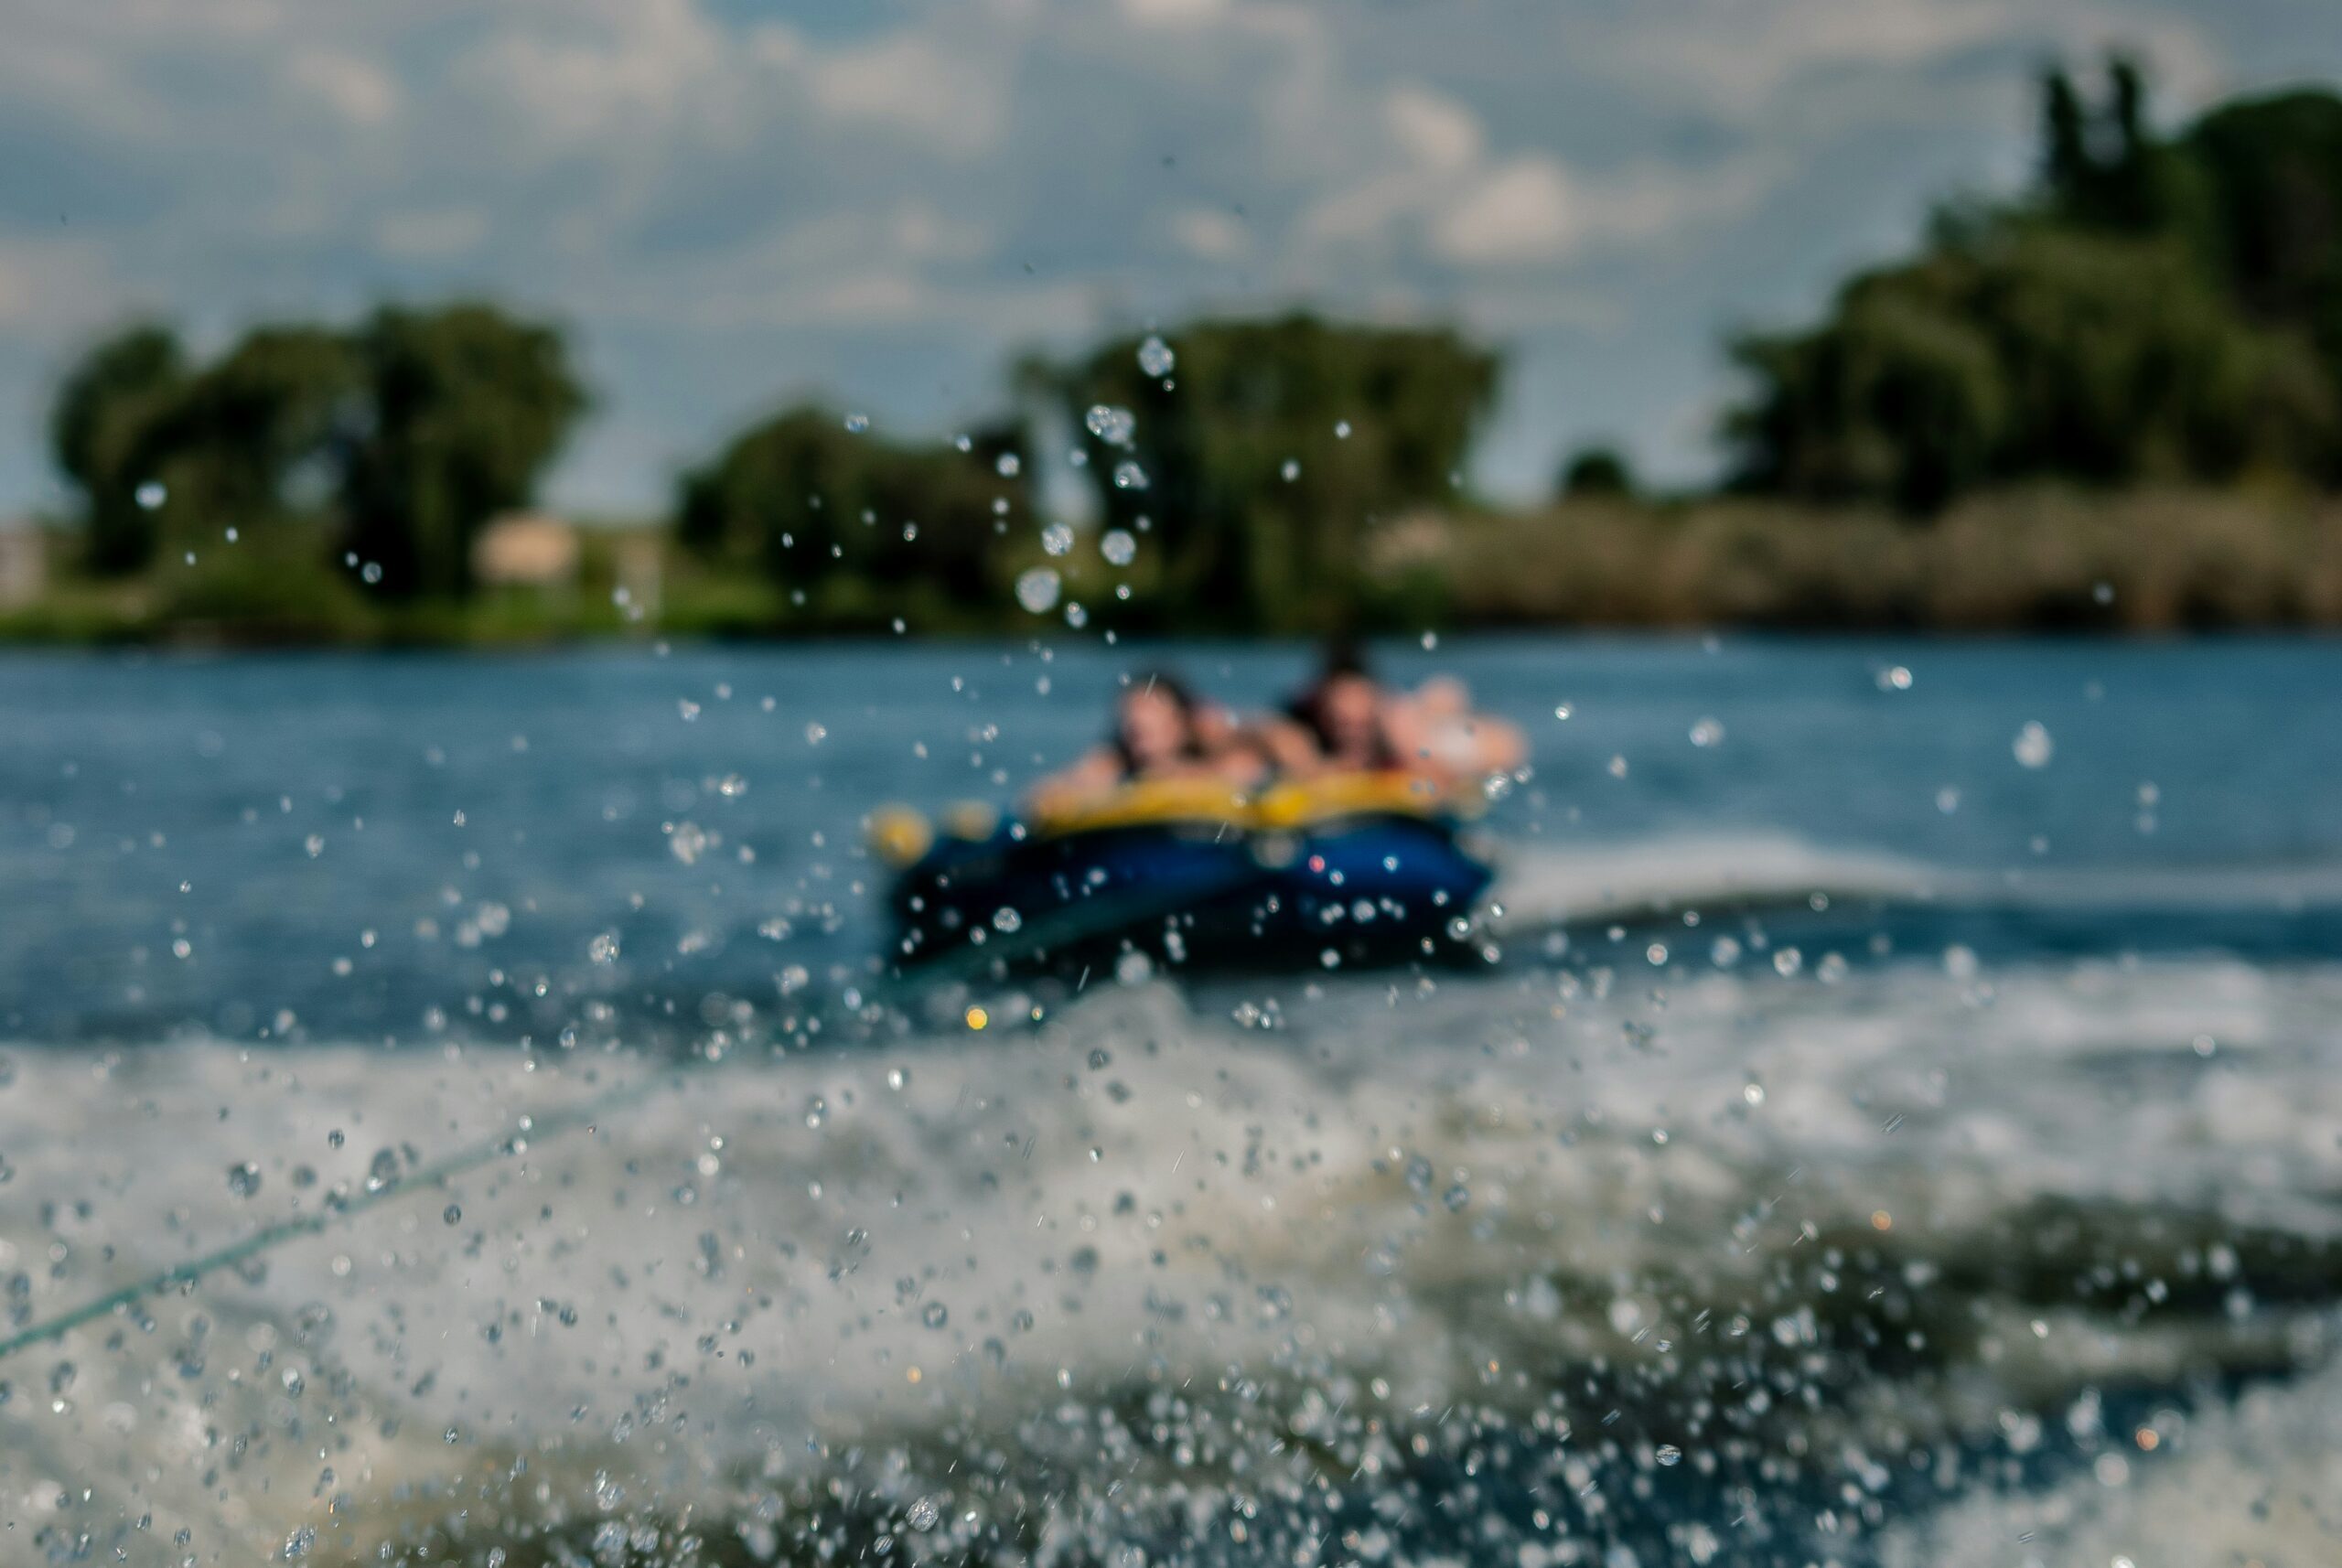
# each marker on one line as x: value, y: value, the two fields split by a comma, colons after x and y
x: 1668, y: 1454
x: 935, y: 1314
x: 1129, y: 476
x: 2033, y: 745
x: 604, y: 948
x: 243, y: 1180
x: 1057, y: 538
x: 1008, y: 465
x: 452, y: 1214
x: 855, y: 424
x: 1291, y: 470
x: 152, y: 494
x: 1114, y: 427
x: 382, y: 1170
x: 1707, y: 732
x: 1155, y: 358
x: 1036, y: 589
x: 1118, y: 547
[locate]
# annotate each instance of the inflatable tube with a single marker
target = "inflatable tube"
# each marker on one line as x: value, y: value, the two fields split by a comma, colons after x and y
x: 1361, y: 869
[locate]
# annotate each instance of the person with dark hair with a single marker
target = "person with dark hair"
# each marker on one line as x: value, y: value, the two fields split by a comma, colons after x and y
x: 1162, y: 730
x: 1344, y: 722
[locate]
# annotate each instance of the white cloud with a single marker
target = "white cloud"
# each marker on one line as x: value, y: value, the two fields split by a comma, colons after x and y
x: 1174, y: 13
x: 909, y: 82
x: 1741, y: 56
x: 1210, y: 234
x: 58, y: 281
x: 725, y: 204
x: 1521, y: 212
x: 358, y: 91
x: 432, y: 233
x: 600, y: 68
x: 1432, y: 131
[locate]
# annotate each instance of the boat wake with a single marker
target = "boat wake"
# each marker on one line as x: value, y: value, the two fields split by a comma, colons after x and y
x: 1542, y: 886
x: 1725, y: 1266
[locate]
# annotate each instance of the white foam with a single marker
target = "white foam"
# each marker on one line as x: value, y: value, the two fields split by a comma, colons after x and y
x: 1132, y: 1191
x: 1542, y: 885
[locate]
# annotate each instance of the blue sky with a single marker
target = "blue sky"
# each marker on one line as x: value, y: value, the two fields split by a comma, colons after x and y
x: 881, y: 202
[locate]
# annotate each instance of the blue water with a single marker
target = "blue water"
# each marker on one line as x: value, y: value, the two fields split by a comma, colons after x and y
x: 1886, y: 1134
x: 348, y: 846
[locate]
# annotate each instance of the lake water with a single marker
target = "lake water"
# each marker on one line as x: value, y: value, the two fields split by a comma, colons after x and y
x: 1900, y: 1124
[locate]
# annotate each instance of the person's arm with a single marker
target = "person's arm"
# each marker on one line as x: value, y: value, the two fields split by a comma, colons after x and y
x: 1290, y: 749
x: 1498, y: 745
x: 1095, y: 772
x: 1408, y: 736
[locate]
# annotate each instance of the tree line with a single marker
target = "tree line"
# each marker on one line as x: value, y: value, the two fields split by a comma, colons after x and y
x: 2153, y: 308
x: 390, y: 442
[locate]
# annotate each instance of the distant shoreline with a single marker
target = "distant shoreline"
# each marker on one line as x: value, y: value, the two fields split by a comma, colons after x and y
x: 2027, y: 562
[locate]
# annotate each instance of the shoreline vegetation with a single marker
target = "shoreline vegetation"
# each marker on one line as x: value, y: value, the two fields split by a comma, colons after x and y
x: 2033, y: 561
x: 2110, y: 403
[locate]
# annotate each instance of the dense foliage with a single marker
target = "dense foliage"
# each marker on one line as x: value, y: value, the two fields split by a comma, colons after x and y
x: 2156, y: 309
x: 392, y: 441
x: 825, y: 508
x: 2160, y: 311
x: 1263, y: 457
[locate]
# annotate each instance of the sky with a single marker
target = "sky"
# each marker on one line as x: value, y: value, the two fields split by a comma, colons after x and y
x: 882, y: 203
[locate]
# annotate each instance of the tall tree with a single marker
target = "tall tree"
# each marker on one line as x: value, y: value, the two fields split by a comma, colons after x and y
x: 2157, y: 309
x: 99, y: 432
x: 258, y: 433
x: 465, y: 406
x: 808, y: 500
x: 1261, y: 454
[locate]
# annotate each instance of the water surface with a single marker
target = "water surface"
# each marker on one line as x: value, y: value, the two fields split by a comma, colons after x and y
x: 1886, y: 1134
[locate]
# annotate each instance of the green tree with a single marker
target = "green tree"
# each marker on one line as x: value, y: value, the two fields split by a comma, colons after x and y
x: 2104, y: 166
x: 2039, y: 352
x: 99, y: 434
x: 1264, y: 454
x: 254, y: 436
x: 2274, y: 169
x: 1599, y: 470
x: 2157, y: 309
x: 463, y: 407
x: 811, y: 503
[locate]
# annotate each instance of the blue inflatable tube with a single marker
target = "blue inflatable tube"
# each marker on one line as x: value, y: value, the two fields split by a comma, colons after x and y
x: 1372, y: 888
